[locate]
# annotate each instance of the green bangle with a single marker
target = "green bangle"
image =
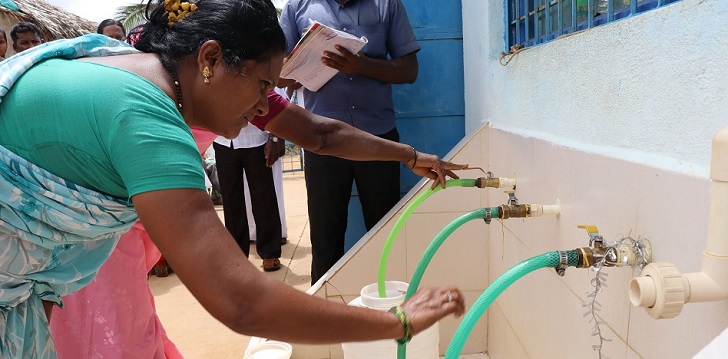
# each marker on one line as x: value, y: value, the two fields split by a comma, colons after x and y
x: 402, y: 316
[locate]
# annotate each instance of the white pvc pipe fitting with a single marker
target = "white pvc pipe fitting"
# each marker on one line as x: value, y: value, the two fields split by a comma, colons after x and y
x: 661, y: 288
x: 545, y: 210
x: 506, y: 182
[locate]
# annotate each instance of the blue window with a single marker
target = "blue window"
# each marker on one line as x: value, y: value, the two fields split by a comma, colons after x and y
x: 532, y: 22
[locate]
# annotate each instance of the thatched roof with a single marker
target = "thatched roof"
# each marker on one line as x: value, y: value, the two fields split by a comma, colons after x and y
x: 56, y: 23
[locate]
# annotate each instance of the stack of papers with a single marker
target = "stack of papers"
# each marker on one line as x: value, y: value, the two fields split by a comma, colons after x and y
x: 304, y: 64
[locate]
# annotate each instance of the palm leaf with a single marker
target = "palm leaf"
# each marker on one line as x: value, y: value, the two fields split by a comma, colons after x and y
x: 131, y: 15
x: 134, y: 15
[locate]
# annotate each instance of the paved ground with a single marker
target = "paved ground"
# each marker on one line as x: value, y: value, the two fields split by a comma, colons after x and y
x: 195, y: 332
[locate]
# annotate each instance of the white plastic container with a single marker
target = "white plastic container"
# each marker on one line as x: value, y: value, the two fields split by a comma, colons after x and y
x: 424, y: 345
x: 269, y: 350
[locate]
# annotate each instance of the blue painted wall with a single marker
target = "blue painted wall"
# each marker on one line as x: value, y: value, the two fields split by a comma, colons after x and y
x: 431, y: 112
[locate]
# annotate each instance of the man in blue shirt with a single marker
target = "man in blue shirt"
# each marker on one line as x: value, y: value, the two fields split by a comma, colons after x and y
x: 360, y: 95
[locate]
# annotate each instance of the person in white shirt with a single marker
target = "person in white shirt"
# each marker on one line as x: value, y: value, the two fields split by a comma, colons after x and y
x: 251, y: 156
x: 278, y: 182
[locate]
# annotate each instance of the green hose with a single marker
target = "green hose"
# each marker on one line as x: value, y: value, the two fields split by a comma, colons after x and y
x: 440, y: 239
x: 432, y: 249
x: 400, y: 222
x: 546, y: 260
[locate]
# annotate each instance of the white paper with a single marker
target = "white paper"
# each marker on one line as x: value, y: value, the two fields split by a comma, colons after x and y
x: 304, y: 63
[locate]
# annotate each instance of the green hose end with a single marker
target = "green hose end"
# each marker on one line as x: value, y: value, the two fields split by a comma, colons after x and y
x: 573, y: 258
x: 492, y: 213
x: 462, y: 182
x: 382, y: 272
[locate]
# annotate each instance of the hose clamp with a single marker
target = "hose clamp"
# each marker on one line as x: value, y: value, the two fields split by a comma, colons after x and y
x: 563, y: 263
x: 488, y: 215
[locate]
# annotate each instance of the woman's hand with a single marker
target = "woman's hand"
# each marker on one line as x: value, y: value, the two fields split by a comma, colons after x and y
x: 432, y: 167
x: 429, y: 305
x: 274, y: 149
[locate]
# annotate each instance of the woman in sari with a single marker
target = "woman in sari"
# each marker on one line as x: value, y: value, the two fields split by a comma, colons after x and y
x: 93, y: 144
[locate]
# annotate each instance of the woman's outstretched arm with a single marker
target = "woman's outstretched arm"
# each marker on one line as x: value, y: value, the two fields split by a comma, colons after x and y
x: 327, y: 136
x: 186, y: 228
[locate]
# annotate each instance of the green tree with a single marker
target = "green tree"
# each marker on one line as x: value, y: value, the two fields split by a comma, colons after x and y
x: 131, y: 15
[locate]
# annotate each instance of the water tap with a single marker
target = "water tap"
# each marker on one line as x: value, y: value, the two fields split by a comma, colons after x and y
x: 625, y: 252
x: 495, y: 182
x: 512, y: 199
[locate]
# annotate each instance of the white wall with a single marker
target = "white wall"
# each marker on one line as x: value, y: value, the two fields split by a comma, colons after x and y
x: 651, y: 88
x: 617, y: 123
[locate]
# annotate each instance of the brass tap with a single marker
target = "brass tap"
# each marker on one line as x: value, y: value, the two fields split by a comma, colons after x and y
x: 512, y: 199
x: 515, y: 211
x: 488, y: 181
x: 494, y: 182
x: 596, y: 250
x: 622, y: 253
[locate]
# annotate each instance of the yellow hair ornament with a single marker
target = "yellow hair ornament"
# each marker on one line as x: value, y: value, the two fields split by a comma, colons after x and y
x: 177, y: 11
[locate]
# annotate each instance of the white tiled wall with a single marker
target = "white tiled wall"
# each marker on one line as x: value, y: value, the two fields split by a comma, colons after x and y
x: 541, y: 315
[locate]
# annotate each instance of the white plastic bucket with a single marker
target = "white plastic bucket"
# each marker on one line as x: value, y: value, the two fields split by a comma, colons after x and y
x: 424, y: 345
x: 269, y: 350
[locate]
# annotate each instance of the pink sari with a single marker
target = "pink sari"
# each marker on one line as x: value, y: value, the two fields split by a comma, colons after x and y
x: 114, y: 316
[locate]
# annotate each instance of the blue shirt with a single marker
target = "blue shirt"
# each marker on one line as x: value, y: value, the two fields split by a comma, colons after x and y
x: 358, y: 100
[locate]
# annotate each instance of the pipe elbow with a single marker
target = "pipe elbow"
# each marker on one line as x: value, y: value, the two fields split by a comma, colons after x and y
x: 711, y: 283
x: 718, y: 165
x: 659, y: 289
x: 662, y: 290
x: 702, y: 287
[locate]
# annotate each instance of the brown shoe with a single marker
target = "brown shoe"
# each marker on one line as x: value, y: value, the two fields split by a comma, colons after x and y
x: 271, y: 264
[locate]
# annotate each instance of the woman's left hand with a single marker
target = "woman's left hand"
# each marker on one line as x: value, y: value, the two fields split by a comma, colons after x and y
x: 432, y: 167
x: 274, y: 150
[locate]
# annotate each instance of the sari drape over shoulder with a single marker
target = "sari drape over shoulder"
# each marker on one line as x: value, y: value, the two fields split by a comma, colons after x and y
x: 54, y: 235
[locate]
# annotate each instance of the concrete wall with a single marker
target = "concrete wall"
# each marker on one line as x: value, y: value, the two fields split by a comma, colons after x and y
x: 542, y: 315
x: 615, y: 124
x: 650, y: 88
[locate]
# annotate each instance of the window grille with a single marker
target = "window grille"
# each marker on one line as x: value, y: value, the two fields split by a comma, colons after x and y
x: 532, y: 22
x: 292, y: 160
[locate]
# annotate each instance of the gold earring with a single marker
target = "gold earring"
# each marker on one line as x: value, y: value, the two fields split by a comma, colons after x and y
x: 206, y: 74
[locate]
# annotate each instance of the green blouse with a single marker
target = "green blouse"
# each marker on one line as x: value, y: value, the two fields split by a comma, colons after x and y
x: 100, y: 127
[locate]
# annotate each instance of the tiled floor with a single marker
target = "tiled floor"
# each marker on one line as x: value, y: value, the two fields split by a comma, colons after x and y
x: 195, y: 332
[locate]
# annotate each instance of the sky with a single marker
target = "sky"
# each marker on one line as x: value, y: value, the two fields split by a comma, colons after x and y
x: 94, y: 10
x: 99, y: 10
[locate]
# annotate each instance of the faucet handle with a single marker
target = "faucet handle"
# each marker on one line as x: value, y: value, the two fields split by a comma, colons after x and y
x: 590, y: 228
x: 593, y: 233
x: 512, y: 199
